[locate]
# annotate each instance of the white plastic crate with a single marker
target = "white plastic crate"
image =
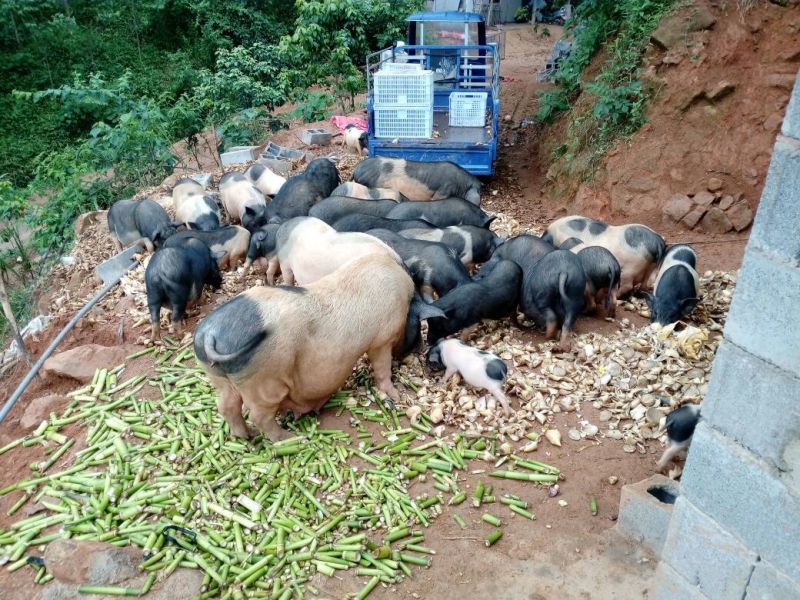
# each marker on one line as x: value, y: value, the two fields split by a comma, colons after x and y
x: 403, y: 122
x: 398, y: 67
x: 404, y: 88
x: 468, y: 109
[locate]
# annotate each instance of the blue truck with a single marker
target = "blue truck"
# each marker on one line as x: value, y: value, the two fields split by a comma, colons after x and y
x: 436, y: 96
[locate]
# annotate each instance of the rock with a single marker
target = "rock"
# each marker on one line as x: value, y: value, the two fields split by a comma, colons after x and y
x: 740, y: 215
x: 96, y: 563
x: 773, y: 122
x: 80, y: 363
x: 716, y: 221
x: 714, y: 184
x: 60, y: 591
x: 673, y: 28
x: 39, y: 410
x: 676, y: 207
x: 720, y: 90
x: 84, y: 221
x: 170, y: 181
x: 183, y: 584
x: 703, y: 198
x: 641, y: 184
x: 685, y: 101
x: 783, y: 81
x: 672, y: 58
x: 792, y: 55
x: 726, y: 202
x: 693, y: 217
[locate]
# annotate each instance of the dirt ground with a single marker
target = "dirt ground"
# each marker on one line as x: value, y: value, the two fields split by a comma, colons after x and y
x: 566, y: 552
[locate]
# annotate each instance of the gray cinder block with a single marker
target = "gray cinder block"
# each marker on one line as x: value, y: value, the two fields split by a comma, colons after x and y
x: 767, y: 583
x: 791, y: 122
x: 237, y: 155
x: 745, y: 495
x: 318, y: 137
x: 204, y: 179
x: 705, y: 554
x: 670, y: 585
x: 645, y: 509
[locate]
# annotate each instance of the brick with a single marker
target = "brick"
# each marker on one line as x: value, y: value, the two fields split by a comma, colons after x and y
x: 705, y: 554
x: 642, y: 515
x: 778, y: 217
x: 764, y: 304
x: 745, y: 496
x: 319, y: 137
x: 791, y: 122
x: 767, y: 583
x: 669, y: 585
x: 237, y: 155
x: 753, y: 402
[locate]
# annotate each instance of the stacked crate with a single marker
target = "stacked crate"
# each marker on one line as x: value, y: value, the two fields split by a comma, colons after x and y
x: 403, y: 101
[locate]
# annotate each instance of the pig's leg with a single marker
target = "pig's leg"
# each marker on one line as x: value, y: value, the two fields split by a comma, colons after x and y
x: 230, y: 407
x: 381, y: 360
x: 117, y: 244
x: 155, y: 319
x: 497, y: 392
x: 427, y: 292
x: 672, y: 450
x: 565, y: 344
x: 449, y: 372
x: 272, y: 269
x: 148, y: 244
x: 466, y: 333
x: 551, y: 323
x: 591, y: 306
x: 611, y: 301
x: 264, y: 418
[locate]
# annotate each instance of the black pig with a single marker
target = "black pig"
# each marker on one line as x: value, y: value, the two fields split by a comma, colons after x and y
x: 677, y: 288
x: 443, y: 213
x: 334, y: 208
x: 130, y: 221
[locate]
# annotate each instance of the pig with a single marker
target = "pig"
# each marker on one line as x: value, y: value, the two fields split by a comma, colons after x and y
x: 412, y: 338
x: 263, y: 249
x: 243, y: 202
x: 419, y: 181
x: 308, y: 249
x: 553, y: 292
x: 177, y: 275
x: 681, y: 424
x: 266, y: 182
x: 334, y: 208
x: 355, y: 139
x: 273, y: 349
x: 432, y: 266
x: 362, y: 222
x: 525, y: 250
x: 602, y: 278
x: 494, y: 297
x: 301, y: 192
x: 637, y: 248
x: 471, y: 244
x: 443, y: 213
x: 194, y: 208
x: 677, y: 288
x: 131, y: 221
x: 478, y: 368
x: 351, y: 189
x: 230, y: 243
x: 570, y: 243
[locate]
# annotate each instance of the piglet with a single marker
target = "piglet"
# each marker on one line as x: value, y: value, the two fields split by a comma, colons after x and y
x: 130, y: 221
x: 267, y: 182
x: 478, y: 368
x: 472, y: 244
x: 681, y: 423
x: 443, y: 213
x: 363, y: 222
x: 231, y: 242
x: 677, y: 286
x: 351, y: 189
x: 193, y: 207
x: 243, y: 201
x: 177, y: 275
x: 355, y: 139
x: 334, y: 208
x: 602, y: 278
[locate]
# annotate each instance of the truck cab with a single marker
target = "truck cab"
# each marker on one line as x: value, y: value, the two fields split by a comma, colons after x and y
x: 436, y: 95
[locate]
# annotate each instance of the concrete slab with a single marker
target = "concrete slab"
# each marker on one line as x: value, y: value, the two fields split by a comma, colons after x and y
x: 645, y: 509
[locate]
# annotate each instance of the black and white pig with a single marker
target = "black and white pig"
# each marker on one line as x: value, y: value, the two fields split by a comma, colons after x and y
x: 637, y: 248
x: 131, y: 221
x: 177, y: 275
x: 677, y: 288
x: 433, y: 266
x: 263, y: 250
x: 242, y: 201
x: 351, y: 189
x: 553, y: 293
x: 267, y: 182
x: 419, y: 181
x: 472, y: 244
x: 301, y: 192
x: 602, y: 278
x: 680, y: 424
x: 261, y: 353
x: 478, y: 368
x: 494, y: 297
x: 362, y: 222
x: 193, y: 207
x: 334, y: 208
x: 229, y: 243
x: 443, y: 213
x: 525, y: 250
x: 355, y: 139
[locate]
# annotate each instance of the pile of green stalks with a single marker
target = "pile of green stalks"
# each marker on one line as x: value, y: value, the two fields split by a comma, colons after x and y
x: 259, y: 519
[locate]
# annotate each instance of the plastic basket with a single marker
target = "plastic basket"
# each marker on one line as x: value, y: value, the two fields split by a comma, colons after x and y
x: 398, y: 67
x: 413, y: 87
x: 468, y: 109
x: 403, y: 122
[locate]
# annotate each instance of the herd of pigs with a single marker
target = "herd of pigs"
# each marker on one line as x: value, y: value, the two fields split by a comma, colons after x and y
x: 363, y: 264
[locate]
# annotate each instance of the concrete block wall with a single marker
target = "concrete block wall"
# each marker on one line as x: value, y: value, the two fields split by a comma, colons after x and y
x: 735, y: 528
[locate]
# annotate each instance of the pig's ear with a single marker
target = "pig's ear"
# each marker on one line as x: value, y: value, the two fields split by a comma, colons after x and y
x: 217, y: 254
x: 688, y: 305
x: 489, y: 221
x: 428, y: 311
x: 192, y: 225
x: 248, y: 210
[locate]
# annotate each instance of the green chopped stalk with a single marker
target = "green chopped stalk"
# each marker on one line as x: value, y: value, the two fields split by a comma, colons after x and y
x: 491, y: 519
x: 365, y: 591
x: 493, y: 537
x: 457, y: 498
x: 477, y: 495
x: 534, y: 477
x: 593, y: 506
x: 521, y: 511
x: 108, y: 591
x: 461, y: 523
